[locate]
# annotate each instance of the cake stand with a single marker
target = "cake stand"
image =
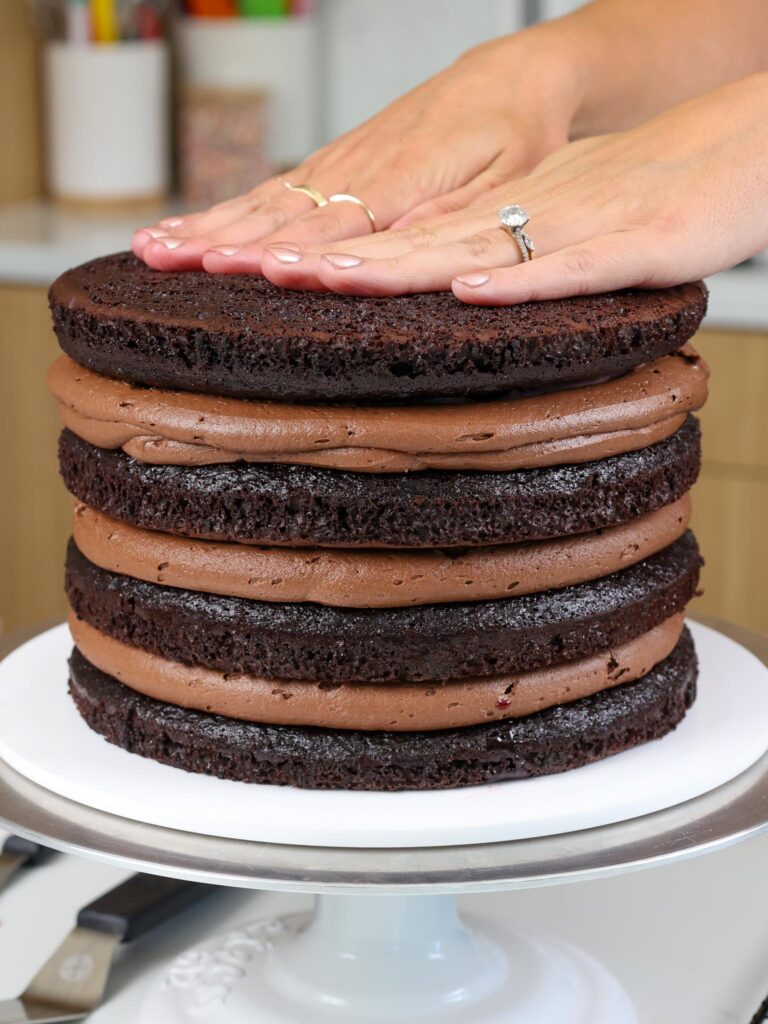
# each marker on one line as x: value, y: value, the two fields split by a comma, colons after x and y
x: 385, y: 942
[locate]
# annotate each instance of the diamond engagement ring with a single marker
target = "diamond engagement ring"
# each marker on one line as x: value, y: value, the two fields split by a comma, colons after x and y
x: 512, y: 220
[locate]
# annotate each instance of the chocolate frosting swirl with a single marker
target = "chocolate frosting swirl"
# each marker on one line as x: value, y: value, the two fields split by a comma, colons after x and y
x: 390, y: 707
x: 372, y: 578
x: 576, y: 425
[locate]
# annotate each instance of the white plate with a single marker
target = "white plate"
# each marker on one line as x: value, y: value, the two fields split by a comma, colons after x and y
x: 43, y: 737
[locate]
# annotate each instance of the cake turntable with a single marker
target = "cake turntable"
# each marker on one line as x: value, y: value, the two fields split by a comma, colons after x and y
x: 386, y: 942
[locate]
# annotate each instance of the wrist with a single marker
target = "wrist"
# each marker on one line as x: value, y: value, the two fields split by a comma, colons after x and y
x: 533, y: 73
x: 566, y: 56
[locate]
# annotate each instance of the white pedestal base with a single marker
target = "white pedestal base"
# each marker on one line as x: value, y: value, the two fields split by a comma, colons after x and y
x: 377, y: 959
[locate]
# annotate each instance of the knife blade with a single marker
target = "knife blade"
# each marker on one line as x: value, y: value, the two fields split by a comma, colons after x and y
x: 71, y: 984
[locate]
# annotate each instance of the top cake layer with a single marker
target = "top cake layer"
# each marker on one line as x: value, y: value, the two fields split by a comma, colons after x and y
x: 240, y: 336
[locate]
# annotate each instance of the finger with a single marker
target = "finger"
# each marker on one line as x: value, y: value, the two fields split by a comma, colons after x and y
x: 439, y: 229
x: 203, y: 223
x: 262, y: 209
x: 335, y: 221
x: 286, y: 264
x: 248, y: 240
x: 168, y: 253
x: 281, y: 219
x: 294, y: 266
x: 338, y: 219
x: 179, y: 252
x: 192, y: 224
x: 428, y: 233
x: 422, y: 270
x: 294, y: 208
x: 142, y: 237
x: 429, y: 269
x: 451, y: 202
x: 621, y: 259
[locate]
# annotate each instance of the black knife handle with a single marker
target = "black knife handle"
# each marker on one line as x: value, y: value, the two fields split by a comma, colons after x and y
x: 761, y: 1015
x: 33, y: 853
x: 140, y: 904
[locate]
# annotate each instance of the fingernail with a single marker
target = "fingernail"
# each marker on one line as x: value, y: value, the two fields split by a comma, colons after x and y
x: 474, y: 280
x: 172, y: 222
x: 155, y: 232
x: 342, y: 261
x: 171, y: 243
x: 225, y: 250
x: 284, y: 255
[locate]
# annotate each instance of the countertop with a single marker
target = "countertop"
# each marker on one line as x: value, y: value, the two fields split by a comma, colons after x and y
x: 39, y: 240
x: 689, y: 941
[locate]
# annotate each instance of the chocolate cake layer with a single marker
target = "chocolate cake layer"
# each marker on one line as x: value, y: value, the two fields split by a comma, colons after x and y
x: 242, y: 336
x: 426, y: 643
x: 300, y: 505
x: 555, y: 740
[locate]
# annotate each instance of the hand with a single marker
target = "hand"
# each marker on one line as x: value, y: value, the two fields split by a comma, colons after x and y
x: 442, y: 144
x: 681, y: 197
x: 492, y: 116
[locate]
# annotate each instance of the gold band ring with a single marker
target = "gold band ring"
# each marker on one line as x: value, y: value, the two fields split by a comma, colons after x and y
x: 310, y: 191
x: 346, y: 197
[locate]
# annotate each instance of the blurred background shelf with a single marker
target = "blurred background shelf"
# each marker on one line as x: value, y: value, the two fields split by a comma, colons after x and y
x: 40, y: 239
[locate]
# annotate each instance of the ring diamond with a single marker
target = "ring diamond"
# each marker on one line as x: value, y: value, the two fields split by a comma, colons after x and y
x: 512, y: 220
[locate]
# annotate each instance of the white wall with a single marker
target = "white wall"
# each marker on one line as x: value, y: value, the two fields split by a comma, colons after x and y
x: 554, y: 8
x: 374, y: 50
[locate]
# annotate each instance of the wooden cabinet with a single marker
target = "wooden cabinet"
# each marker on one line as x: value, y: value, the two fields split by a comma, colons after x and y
x: 731, y: 499
x: 20, y: 158
x: 34, y: 509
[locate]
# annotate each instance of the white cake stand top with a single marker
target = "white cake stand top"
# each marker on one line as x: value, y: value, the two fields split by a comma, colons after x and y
x: 732, y: 812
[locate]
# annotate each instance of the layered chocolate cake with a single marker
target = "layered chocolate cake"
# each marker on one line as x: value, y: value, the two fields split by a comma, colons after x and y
x: 376, y: 544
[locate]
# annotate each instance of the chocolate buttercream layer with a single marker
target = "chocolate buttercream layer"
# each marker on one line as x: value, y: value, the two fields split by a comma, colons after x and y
x: 305, y: 506
x: 358, y: 645
x: 577, y: 425
x: 366, y: 578
x: 400, y: 707
x: 242, y: 336
x: 558, y: 739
